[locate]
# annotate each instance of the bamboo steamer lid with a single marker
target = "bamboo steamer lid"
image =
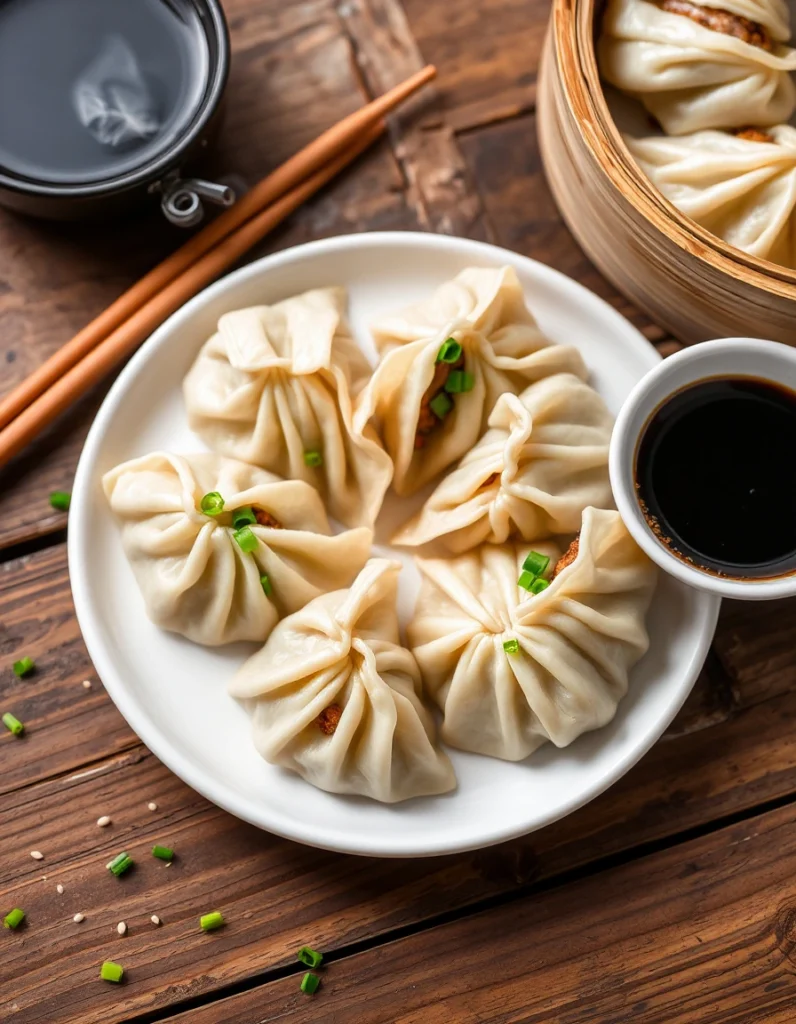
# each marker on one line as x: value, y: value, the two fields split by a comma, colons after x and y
x: 686, y: 279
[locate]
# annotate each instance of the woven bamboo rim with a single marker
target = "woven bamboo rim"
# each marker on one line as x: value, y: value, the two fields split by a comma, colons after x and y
x: 686, y: 279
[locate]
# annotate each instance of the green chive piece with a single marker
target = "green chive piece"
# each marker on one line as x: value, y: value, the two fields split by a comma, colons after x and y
x: 468, y: 382
x: 246, y: 540
x: 310, y: 983
x: 310, y: 957
x: 121, y: 862
x: 13, y: 724
x: 539, y: 585
x: 212, y: 504
x: 14, y: 918
x: 61, y: 500
x: 24, y: 667
x: 536, y: 563
x: 450, y: 352
x: 265, y: 583
x: 313, y: 459
x: 441, y: 405
x: 526, y: 579
x: 454, y: 385
x: 243, y: 517
x: 511, y: 646
x: 163, y: 853
x: 210, y: 922
x: 111, y: 972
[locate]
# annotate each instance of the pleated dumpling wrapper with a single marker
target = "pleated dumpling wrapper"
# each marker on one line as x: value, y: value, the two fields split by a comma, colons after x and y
x: 740, y: 187
x: 511, y: 669
x: 274, y: 387
x: 202, y: 578
x: 445, y: 362
x: 694, y: 67
x: 337, y: 699
x: 542, y: 461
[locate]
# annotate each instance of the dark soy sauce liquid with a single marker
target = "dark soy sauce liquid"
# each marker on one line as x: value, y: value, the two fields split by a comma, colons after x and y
x: 716, y: 475
x: 48, y: 47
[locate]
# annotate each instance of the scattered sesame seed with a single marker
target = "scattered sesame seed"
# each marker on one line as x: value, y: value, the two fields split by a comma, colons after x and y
x: 152, y: 805
x: 59, y: 889
x: 168, y: 863
x: 121, y: 928
x: 86, y: 684
x: 103, y: 821
x: 155, y: 919
x: 78, y: 918
x: 37, y: 855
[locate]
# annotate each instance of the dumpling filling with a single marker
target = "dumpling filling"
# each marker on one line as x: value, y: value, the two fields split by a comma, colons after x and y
x: 717, y: 20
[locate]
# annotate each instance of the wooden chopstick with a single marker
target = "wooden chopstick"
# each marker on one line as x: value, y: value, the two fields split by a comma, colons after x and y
x: 122, y: 341
x: 305, y: 164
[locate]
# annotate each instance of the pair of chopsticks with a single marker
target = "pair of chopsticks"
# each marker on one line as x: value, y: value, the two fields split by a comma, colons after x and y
x: 115, y: 333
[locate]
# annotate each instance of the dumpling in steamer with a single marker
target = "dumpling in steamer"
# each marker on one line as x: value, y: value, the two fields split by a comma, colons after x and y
x: 445, y: 362
x: 196, y: 578
x: 275, y: 387
x: 542, y: 461
x: 575, y: 641
x: 698, y: 66
x: 741, y: 187
x: 337, y: 699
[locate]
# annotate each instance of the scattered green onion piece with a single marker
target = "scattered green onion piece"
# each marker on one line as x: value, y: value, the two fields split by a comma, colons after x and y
x: 24, y: 667
x: 450, y: 352
x: 121, y: 862
x: 245, y: 540
x: 14, y: 918
x: 539, y: 585
x: 243, y: 517
x: 13, y: 724
x: 454, y: 385
x: 536, y: 563
x: 212, y: 504
x: 61, y: 500
x: 313, y: 459
x: 526, y: 580
x: 468, y: 381
x: 441, y: 405
x: 511, y: 646
x: 310, y: 983
x: 162, y: 853
x: 210, y: 922
x: 265, y: 583
x: 111, y: 972
x: 310, y: 957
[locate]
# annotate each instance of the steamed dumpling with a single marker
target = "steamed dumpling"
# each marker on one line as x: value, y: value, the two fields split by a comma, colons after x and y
x: 195, y: 578
x: 576, y: 640
x: 701, y: 66
x: 275, y: 386
x: 543, y: 459
x: 337, y: 699
x: 740, y: 187
x: 430, y: 411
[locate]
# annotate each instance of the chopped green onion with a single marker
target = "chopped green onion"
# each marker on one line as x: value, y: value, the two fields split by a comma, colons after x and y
x: 210, y: 922
x: 468, y: 382
x: 511, y: 646
x: 243, y: 517
x: 61, y: 500
x: 450, y: 352
x: 265, y: 583
x: 14, y: 918
x: 310, y: 957
x: 313, y: 459
x: 526, y: 580
x: 13, y: 724
x: 111, y: 972
x: 536, y: 563
x: 162, y: 853
x: 24, y: 667
x: 246, y: 540
x: 212, y: 504
x: 121, y: 862
x: 539, y: 585
x: 454, y: 385
x: 310, y: 983
x: 441, y: 405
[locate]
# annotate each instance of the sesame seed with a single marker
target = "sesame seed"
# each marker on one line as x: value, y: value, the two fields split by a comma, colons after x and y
x: 59, y: 889
x: 78, y: 918
x: 86, y: 684
x: 37, y: 855
x: 155, y: 919
x: 103, y: 821
x: 121, y: 928
x: 152, y: 805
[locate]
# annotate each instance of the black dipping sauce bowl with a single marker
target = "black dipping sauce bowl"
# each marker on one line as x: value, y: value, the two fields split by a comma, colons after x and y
x: 106, y: 104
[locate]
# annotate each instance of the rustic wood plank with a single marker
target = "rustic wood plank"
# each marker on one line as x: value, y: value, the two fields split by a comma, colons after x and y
x: 704, y: 933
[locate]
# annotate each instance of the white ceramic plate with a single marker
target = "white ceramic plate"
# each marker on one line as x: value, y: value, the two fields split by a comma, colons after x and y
x: 173, y: 693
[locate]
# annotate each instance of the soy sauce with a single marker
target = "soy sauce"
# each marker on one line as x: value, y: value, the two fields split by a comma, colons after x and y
x: 716, y: 476
x: 91, y: 89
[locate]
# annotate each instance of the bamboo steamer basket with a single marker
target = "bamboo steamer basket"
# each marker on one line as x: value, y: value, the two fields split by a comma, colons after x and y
x: 687, y: 280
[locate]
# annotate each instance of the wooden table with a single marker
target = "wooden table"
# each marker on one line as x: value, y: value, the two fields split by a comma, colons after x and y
x: 670, y: 898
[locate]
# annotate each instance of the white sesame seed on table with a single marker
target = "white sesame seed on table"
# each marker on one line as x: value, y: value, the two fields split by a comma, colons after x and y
x: 59, y: 888
x: 86, y: 684
x: 121, y: 928
x: 152, y: 805
x: 37, y: 854
x: 78, y: 918
x: 103, y: 821
x: 155, y: 919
